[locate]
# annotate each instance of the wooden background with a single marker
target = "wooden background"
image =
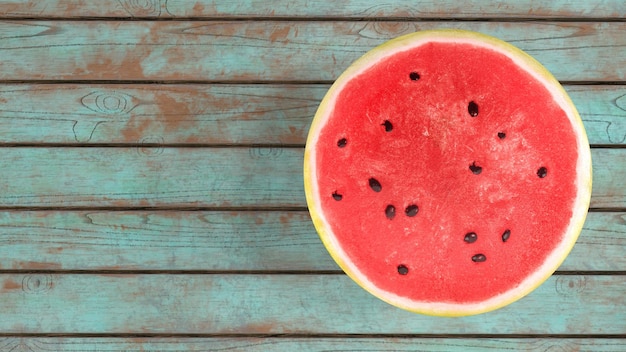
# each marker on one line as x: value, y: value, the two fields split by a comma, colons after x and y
x: 151, y: 194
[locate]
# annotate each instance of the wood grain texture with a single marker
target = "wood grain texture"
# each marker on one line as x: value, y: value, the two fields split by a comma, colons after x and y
x: 307, y: 8
x: 171, y: 114
x: 214, y: 114
x: 302, y: 304
x: 339, y: 344
x: 196, y: 177
x: 151, y: 176
x: 269, y: 51
x: 219, y: 241
x: 222, y: 96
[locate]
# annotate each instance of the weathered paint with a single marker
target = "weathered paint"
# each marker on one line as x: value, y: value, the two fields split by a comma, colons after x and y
x: 243, y: 51
x: 339, y: 344
x: 256, y: 173
x: 150, y: 9
x: 275, y: 304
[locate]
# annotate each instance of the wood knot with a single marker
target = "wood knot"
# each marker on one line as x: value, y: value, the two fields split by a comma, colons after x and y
x: 109, y: 102
x: 37, y: 283
x: 266, y: 152
x: 569, y: 285
x: 386, y: 30
x: 151, y: 146
x: 144, y: 8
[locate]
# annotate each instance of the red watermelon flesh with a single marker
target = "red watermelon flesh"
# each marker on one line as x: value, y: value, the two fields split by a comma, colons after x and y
x: 448, y: 174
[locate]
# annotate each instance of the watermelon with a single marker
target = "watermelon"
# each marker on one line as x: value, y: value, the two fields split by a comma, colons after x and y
x: 447, y: 172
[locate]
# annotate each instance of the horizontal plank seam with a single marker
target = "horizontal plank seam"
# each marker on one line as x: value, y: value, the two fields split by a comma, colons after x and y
x: 198, y: 145
x: 233, y: 82
x: 165, y: 208
x: 280, y: 209
x: 123, y: 272
x: 607, y: 146
x: 170, y: 82
x: 154, y: 145
x: 310, y: 19
x: 312, y: 336
x: 607, y: 210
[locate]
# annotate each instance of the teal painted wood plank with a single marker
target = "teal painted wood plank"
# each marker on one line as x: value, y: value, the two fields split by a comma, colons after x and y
x: 214, y: 114
x: 604, y: 174
x: 309, y: 8
x: 211, y: 177
x: 216, y: 240
x: 252, y: 344
x: 157, y: 176
x: 277, y: 50
x: 603, y: 110
x: 172, y: 114
x: 603, y: 234
x: 162, y: 240
x: 277, y: 304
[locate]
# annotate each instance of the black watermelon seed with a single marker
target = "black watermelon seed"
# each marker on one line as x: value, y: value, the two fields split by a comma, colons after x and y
x: 390, y: 212
x: 501, y: 135
x: 470, y: 237
x: 402, y: 269
x: 479, y: 258
x: 388, y: 126
x: 375, y: 185
x: 506, y: 235
x: 542, y: 172
x: 476, y: 170
x: 414, y: 76
x: 411, y: 210
x: 472, y: 108
x: 342, y: 142
x: 337, y: 196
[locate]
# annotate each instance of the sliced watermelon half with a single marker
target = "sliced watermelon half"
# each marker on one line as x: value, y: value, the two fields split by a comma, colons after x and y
x: 447, y: 172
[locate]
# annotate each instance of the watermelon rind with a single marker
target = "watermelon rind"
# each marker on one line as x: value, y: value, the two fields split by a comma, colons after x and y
x: 583, y: 181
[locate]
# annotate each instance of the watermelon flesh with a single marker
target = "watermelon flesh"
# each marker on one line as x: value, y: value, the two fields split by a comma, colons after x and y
x: 448, y: 173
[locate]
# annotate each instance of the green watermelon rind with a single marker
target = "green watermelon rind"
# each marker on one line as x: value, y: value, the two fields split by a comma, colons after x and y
x: 584, y: 172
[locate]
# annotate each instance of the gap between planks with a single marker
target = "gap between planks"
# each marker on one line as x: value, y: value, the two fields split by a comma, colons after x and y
x: 235, y: 82
x: 314, y: 335
x: 199, y: 145
x: 197, y: 82
x: 297, y: 9
x: 246, y: 272
x: 311, y: 19
x: 279, y: 209
x: 157, y: 145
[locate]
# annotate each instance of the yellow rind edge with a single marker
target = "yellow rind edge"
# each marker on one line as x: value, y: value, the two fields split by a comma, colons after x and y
x: 370, y: 57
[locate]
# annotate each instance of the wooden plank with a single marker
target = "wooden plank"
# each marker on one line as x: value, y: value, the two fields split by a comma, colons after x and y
x: 172, y: 114
x: 603, y: 110
x: 142, y: 176
x: 307, y: 8
x: 161, y: 240
x: 277, y: 304
x: 280, y: 50
x: 196, y: 177
x: 191, y: 177
x: 261, y: 344
x: 607, y: 197
x: 214, y: 114
x: 219, y: 241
